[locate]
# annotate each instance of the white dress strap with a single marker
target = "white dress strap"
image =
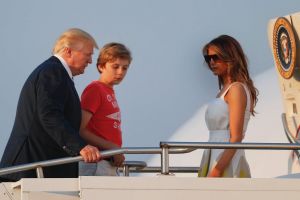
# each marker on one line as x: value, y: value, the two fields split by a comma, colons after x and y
x: 245, y: 88
x: 225, y: 92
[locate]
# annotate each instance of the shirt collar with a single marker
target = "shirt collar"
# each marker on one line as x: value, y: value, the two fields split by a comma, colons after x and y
x: 64, y: 63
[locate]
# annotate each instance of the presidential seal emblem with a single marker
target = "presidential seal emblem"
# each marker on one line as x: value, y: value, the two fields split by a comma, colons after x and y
x: 284, y: 47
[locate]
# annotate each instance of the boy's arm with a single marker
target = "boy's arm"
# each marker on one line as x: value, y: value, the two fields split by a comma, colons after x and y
x: 91, y: 138
x: 98, y: 141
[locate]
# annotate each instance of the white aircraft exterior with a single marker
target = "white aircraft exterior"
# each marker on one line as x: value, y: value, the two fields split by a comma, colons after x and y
x: 164, y: 95
x: 275, y: 174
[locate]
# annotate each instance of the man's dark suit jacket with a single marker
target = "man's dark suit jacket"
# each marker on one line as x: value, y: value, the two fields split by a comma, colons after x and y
x: 47, y: 123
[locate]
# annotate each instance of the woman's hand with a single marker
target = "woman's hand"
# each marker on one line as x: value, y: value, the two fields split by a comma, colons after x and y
x: 214, y: 173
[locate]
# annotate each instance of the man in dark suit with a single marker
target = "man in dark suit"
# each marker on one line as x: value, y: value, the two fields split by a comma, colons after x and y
x: 48, y: 114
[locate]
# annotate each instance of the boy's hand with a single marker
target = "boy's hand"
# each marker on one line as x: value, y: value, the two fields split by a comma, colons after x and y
x: 118, y: 160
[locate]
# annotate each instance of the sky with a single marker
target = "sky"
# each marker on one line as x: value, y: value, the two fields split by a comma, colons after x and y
x: 167, y: 83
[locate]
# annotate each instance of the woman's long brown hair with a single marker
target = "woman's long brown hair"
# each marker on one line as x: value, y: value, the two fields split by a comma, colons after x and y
x: 229, y: 50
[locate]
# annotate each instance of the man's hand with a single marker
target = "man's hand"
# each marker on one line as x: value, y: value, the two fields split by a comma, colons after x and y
x: 90, y: 154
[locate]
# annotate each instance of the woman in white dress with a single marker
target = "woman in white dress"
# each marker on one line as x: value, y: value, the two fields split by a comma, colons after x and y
x: 228, y: 114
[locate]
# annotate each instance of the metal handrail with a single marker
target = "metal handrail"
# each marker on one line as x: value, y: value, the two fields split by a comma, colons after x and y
x: 165, y: 149
x: 228, y: 145
x: 166, y: 146
x: 132, y: 165
x: 156, y: 169
x: 108, y: 153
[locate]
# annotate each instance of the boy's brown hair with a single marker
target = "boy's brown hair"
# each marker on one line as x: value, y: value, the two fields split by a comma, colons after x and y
x: 111, y: 52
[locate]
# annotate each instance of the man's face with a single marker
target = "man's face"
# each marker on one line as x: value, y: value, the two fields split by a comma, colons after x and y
x: 81, y: 58
x: 112, y: 73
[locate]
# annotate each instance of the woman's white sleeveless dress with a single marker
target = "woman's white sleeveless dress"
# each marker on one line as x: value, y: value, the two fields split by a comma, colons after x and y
x: 217, y: 121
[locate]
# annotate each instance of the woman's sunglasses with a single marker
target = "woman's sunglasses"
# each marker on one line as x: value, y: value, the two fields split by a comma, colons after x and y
x: 213, y: 57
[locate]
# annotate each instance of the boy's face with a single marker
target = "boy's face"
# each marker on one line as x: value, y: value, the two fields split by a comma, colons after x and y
x: 112, y: 73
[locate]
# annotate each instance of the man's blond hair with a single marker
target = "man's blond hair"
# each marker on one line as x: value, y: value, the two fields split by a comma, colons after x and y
x: 73, y: 38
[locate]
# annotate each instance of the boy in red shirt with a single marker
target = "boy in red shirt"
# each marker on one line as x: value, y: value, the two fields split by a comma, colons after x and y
x: 101, y: 117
